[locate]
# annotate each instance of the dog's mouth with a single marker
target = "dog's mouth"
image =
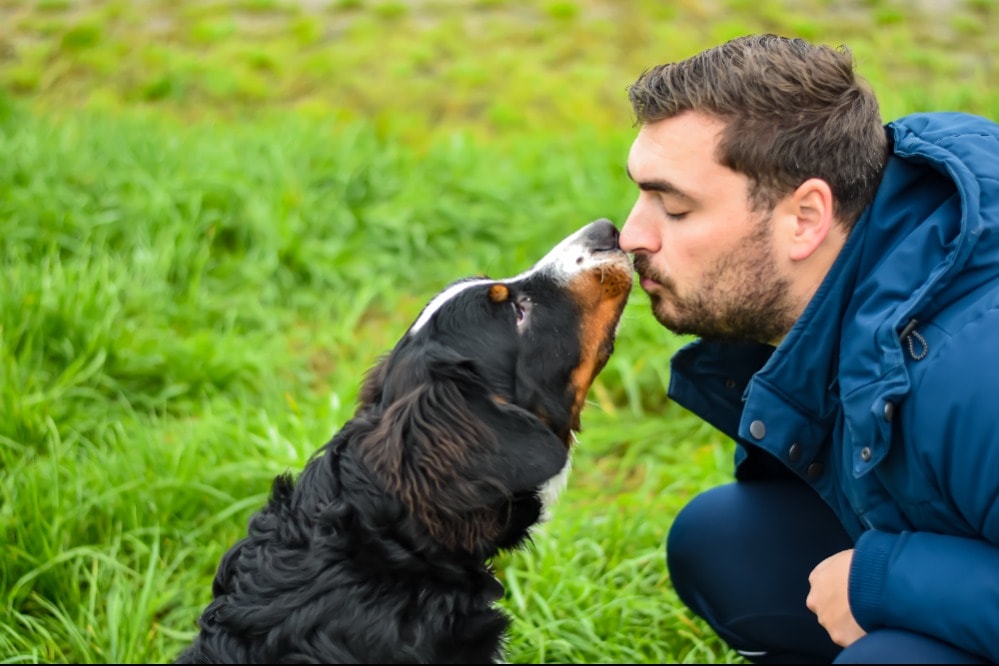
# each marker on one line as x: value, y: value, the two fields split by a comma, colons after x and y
x: 600, y: 278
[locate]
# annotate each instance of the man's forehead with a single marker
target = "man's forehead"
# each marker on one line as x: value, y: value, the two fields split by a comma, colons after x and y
x: 687, y: 137
x: 678, y: 156
x: 656, y: 165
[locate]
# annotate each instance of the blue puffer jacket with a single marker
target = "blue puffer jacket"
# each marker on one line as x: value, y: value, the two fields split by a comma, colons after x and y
x: 884, y: 396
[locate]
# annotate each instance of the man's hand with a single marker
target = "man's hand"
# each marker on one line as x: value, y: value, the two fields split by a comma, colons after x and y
x: 829, y: 598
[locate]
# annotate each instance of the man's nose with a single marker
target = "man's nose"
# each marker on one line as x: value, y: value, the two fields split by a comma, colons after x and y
x: 638, y: 234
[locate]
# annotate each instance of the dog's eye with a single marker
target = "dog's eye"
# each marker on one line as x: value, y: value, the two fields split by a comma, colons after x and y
x: 522, y: 306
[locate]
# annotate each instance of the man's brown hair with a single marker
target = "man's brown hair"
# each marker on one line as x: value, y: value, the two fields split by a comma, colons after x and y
x: 793, y: 111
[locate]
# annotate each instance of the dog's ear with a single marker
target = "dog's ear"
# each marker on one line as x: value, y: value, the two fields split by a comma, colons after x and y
x: 517, y: 448
x: 371, y: 388
x: 450, y: 431
x: 502, y: 440
x: 449, y: 449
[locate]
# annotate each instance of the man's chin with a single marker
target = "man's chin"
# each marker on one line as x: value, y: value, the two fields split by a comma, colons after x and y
x: 667, y: 317
x: 684, y: 326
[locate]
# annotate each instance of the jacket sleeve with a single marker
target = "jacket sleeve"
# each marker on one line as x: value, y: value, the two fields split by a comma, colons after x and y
x: 938, y: 585
x: 942, y: 578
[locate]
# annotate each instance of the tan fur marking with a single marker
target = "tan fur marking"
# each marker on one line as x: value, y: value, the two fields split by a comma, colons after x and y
x: 602, y: 304
x: 499, y: 293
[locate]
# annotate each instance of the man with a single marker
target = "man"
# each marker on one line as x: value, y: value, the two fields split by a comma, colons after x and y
x: 843, y: 279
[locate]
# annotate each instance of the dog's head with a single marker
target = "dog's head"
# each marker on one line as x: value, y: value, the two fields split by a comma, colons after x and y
x: 476, y: 407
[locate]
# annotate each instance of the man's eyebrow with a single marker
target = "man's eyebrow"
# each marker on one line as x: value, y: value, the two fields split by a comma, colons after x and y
x: 663, y: 186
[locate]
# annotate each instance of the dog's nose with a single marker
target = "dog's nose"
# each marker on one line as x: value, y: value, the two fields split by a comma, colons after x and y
x: 602, y: 236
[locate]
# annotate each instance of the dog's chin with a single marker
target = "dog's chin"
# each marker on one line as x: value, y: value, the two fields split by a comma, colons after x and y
x: 552, y: 489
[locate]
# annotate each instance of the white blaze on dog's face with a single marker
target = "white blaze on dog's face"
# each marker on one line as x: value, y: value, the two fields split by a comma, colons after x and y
x: 519, y: 355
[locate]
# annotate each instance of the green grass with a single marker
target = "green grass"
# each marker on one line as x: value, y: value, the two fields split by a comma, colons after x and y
x: 214, y: 217
x: 188, y: 311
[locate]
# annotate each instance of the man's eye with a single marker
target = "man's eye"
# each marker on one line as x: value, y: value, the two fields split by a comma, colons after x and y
x: 676, y: 216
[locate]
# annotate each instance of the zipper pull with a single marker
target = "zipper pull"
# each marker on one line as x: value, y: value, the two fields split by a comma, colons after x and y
x: 908, y: 335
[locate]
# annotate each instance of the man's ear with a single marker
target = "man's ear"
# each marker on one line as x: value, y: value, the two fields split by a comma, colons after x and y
x: 808, y: 217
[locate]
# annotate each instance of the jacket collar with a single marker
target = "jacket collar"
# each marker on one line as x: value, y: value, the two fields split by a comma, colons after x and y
x: 907, y: 248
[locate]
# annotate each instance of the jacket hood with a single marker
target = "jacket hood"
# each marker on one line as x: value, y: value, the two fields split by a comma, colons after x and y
x: 910, y: 250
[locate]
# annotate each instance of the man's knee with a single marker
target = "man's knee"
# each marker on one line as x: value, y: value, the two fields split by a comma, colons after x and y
x: 691, y: 531
x: 737, y: 558
x: 699, y: 545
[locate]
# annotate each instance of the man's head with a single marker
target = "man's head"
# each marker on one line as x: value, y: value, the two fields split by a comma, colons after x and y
x: 754, y: 160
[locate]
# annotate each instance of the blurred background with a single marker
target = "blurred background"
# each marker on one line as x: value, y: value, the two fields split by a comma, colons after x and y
x: 491, y: 66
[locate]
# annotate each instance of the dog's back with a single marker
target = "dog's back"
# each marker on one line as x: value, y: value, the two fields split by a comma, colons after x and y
x: 334, y: 571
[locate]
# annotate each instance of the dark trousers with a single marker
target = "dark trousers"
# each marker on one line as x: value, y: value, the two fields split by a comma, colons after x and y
x: 739, y: 556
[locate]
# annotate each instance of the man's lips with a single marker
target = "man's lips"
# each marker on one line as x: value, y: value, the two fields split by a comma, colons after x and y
x: 646, y: 276
x: 648, y: 284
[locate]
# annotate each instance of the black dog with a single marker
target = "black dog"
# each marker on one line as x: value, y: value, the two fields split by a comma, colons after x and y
x: 380, y: 552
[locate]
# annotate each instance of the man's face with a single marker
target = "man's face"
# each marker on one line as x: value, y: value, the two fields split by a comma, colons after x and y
x: 705, y: 258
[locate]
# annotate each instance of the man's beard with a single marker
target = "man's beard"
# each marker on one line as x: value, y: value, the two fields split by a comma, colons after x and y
x: 741, y: 299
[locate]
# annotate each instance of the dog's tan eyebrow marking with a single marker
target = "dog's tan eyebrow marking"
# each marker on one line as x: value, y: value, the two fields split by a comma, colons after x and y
x: 499, y: 293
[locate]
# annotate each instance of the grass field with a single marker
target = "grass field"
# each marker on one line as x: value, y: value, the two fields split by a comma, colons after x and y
x: 214, y: 217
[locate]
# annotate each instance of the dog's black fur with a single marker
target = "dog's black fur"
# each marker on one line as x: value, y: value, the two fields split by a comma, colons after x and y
x: 380, y: 551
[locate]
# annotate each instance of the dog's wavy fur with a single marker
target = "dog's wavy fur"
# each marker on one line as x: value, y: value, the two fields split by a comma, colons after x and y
x: 379, y: 552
